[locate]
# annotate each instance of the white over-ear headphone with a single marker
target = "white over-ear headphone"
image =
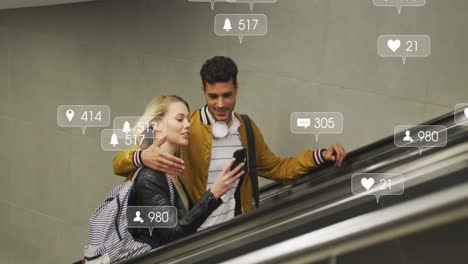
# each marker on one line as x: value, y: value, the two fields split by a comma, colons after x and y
x: 220, y: 129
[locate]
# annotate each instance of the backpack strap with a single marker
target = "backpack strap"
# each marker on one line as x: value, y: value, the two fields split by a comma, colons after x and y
x: 252, y: 159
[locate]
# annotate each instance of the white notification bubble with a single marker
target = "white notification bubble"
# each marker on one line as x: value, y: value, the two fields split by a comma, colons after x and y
x: 404, y: 46
x: 422, y: 136
x: 83, y: 116
x: 240, y: 25
x: 131, y: 131
x: 316, y: 123
x: 461, y: 114
x: 135, y: 125
x: 399, y: 3
x: 151, y: 217
x: 116, y: 140
x: 378, y: 184
x: 212, y: 2
x: 251, y: 2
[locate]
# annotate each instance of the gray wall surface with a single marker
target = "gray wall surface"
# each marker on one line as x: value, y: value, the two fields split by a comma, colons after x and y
x: 318, y: 55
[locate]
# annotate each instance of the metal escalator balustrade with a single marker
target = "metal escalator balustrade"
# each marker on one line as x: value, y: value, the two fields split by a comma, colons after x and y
x: 315, y: 203
x: 440, y: 208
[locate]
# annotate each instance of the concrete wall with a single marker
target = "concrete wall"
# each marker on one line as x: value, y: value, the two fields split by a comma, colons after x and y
x: 318, y: 55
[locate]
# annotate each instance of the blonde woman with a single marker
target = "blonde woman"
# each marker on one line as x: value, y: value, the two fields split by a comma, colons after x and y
x: 151, y: 187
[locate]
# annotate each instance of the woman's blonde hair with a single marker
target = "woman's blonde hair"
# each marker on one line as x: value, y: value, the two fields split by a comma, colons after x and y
x: 155, y: 110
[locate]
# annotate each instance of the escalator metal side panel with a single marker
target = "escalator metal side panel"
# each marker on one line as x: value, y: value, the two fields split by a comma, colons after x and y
x: 421, y: 213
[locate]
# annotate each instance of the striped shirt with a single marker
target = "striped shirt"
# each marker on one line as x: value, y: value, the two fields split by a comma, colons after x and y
x: 222, y: 152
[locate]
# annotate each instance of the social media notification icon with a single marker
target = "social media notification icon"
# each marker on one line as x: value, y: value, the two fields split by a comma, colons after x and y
x: 70, y: 113
x: 316, y: 123
x: 378, y: 184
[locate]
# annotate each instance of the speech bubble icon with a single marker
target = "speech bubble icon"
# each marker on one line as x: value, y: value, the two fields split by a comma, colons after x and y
x: 212, y: 2
x: 151, y: 217
x: 399, y: 4
x: 83, y: 116
x: 116, y: 140
x: 316, y: 123
x: 303, y: 122
x: 133, y: 131
x: 404, y: 46
x: 135, y: 125
x: 421, y: 136
x: 251, y: 2
x: 378, y: 184
x: 240, y: 25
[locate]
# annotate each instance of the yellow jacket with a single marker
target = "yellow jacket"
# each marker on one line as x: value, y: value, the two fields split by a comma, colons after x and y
x: 197, y: 158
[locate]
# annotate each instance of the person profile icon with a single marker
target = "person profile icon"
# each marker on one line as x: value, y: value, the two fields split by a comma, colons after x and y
x: 407, y: 137
x: 138, y: 218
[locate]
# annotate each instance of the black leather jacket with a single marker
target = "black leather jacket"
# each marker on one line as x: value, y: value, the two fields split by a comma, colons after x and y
x: 150, y: 188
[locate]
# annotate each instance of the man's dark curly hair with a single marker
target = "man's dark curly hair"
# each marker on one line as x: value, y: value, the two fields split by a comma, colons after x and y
x: 219, y: 69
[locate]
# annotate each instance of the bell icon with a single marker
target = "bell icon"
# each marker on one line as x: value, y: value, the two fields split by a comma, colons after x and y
x: 126, y: 127
x: 227, y: 25
x: 114, y: 141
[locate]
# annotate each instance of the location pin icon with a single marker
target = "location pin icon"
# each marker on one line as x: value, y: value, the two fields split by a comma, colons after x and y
x: 70, y: 115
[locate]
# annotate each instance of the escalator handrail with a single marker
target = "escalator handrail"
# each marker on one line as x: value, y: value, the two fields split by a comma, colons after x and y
x: 431, y: 210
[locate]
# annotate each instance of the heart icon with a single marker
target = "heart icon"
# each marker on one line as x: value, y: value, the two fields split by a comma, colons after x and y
x: 466, y: 112
x: 367, y: 183
x: 394, y: 45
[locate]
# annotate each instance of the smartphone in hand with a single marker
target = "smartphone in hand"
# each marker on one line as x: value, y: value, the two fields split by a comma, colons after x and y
x: 240, y: 156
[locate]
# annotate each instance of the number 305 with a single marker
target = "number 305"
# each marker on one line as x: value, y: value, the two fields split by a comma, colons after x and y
x: 324, y: 122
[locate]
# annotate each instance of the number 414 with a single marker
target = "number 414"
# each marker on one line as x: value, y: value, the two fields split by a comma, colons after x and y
x: 91, y: 116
